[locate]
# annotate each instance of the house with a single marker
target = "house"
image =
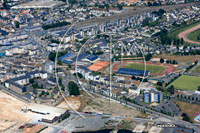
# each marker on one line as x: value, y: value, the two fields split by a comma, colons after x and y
x: 17, y: 84
x: 49, y: 67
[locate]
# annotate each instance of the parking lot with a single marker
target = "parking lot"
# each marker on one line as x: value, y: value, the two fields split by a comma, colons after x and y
x: 88, y: 123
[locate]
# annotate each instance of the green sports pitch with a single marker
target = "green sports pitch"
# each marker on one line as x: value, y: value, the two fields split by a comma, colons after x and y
x: 187, y: 83
x: 156, y: 69
x: 194, y: 36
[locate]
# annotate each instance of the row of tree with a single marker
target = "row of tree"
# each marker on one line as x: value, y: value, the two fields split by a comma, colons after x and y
x: 52, y: 55
x: 54, y: 25
x: 73, y: 88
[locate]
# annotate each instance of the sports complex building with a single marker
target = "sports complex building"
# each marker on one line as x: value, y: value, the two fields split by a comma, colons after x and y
x: 133, y: 72
x: 83, y: 58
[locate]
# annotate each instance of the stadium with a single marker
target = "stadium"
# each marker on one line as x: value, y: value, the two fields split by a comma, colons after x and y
x: 137, y: 68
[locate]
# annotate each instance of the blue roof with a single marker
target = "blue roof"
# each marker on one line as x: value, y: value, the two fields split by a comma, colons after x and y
x: 65, y: 56
x: 80, y: 57
x: 92, y: 57
x: 104, y: 42
x: 28, y: 96
x: 68, y: 61
x: 197, y: 118
x: 132, y: 72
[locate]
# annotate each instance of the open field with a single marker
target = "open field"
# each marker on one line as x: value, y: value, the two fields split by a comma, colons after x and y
x: 197, y: 70
x: 186, y: 32
x: 178, y: 31
x: 180, y: 58
x: 193, y: 35
x: 189, y: 109
x: 187, y: 83
x: 152, y: 69
x: 102, y: 105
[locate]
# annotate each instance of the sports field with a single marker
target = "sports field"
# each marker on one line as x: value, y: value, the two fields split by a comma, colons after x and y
x: 140, y: 66
x: 187, y: 83
x: 193, y: 35
x: 178, y: 31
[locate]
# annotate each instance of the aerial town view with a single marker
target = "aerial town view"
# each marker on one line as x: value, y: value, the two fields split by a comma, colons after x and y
x: 99, y: 66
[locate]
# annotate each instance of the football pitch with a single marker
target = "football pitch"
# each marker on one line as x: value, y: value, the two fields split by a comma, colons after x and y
x: 156, y: 69
x: 187, y: 83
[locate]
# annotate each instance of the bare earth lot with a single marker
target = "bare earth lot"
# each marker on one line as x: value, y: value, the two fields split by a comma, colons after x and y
x: 10, y: 112
x: 185, y: 59
x: 189, y: 109
x: 72, y: 102
x: 102, y: 105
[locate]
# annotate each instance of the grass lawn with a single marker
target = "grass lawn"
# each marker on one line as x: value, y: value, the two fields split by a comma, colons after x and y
x: 193, y: 35
x: 139, y: 66
x: 178, y: 31
x: 187, y: 83
x: 197, y: 69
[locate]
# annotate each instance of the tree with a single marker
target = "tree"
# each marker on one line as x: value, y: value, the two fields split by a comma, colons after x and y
x: 4, y: 4
x: 198, y: 88
x: 185, y: 117
x: 17, y: 23
x: 52, y: 95
x: 73, y: 88
x: 148, y: 56
x: 161, y: 60
x: 174, y: 62
x: 133, y: 77
x: 178, y: 42
x: 182, y: 41
x: 159, y: 83
x: 31, y: 80
x: 145, y: 80
x: 149, y: 3
x: 60, y: 81
x: 145, y: 22
x: 171, y: 89
x: 59, y: 62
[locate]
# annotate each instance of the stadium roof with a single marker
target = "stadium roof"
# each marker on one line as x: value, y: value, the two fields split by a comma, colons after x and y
x: 80, y: 57
x: 132, y: 72
x: 65, y: 56
x: 92, y: 57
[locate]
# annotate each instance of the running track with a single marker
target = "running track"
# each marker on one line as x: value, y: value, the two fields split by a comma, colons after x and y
x: 170, y: 69
x: 185, y: 33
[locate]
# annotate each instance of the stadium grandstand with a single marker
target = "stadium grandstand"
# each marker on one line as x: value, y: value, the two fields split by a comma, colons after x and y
x: 133, y: 72
x: 70, y: 58
x: 65, y: 56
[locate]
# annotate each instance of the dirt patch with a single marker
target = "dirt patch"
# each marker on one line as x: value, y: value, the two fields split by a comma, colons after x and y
x: 101, y: 105
x: 5, y: 125
x: 189, y: 109
x: 179, y: 58
x: 31, y: 128
x: 72, y: 102
x: 10, y: 109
